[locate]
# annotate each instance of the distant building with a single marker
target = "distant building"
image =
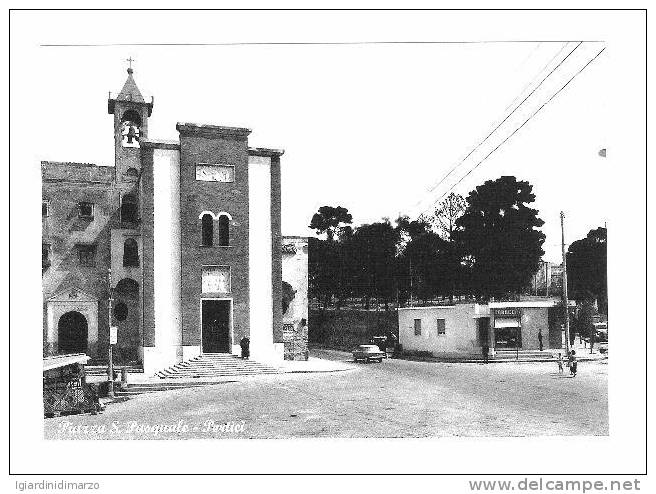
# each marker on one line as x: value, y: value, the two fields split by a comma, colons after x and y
x: 463, y: 329
x: 295, y: 297
x: 548, y: 279
x: 191, y: 230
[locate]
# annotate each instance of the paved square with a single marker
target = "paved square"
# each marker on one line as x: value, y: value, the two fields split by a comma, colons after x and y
x: 396, y: 398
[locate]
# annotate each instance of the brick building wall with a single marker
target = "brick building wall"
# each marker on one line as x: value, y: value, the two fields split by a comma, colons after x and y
x: 213, y: 145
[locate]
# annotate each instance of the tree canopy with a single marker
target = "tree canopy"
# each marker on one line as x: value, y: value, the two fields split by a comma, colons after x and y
x: 497, y: 236
x: 587, y: 268
x: 329, y: 220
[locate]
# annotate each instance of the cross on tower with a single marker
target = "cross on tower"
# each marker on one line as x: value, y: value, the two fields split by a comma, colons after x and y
x: 129, y: 60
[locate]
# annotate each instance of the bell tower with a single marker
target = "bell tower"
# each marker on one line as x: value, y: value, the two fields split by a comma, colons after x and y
x: 131, y: 112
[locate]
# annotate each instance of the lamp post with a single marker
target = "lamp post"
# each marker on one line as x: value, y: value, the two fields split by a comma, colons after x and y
x: 565, y: 300
x: 110, y: 363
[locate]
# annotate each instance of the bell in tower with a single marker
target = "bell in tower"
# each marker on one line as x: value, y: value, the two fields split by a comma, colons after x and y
x: 131, y: 112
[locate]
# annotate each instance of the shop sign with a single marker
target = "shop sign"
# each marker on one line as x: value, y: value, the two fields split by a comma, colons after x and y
x: 507, y: 312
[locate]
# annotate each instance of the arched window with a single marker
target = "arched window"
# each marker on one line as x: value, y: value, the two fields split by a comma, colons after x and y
x: 132, y: 172
x: 130, y: 253
x: 207, y: 225
x: 130, y: 129
x: 224, y: 230
x: 121, y: 311
x: 127, y: 288
x: 129, y: 209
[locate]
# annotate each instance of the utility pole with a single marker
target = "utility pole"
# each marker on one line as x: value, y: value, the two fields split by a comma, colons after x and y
x: 565, y: 301
x: 410, y: 281
x: 110, y: 363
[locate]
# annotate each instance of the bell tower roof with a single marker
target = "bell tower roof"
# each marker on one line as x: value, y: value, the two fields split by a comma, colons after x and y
x: 129, y: 94
x: 130, y: 91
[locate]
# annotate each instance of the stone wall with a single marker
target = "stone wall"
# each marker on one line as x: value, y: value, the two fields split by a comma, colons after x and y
x: 345, y: 329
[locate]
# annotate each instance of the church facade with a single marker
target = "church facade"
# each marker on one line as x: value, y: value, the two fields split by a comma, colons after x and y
x: 178, y: 245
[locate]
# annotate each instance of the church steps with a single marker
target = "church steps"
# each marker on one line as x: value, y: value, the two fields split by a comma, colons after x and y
x: 215, y: 365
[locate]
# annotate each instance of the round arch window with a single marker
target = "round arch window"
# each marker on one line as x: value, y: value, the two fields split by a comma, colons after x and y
x: 121, y: 311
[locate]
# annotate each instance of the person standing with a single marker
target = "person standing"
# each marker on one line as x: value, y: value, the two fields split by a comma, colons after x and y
x: 572, y: 363
x: 560, y: 363
x: 486, y: 353
x: 245, y: 344
x: 540, y: 339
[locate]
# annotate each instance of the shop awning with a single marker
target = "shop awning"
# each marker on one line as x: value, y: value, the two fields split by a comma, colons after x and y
x: 506, y: 323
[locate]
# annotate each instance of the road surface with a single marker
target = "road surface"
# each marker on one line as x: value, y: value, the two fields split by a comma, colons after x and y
x: 395, y: 398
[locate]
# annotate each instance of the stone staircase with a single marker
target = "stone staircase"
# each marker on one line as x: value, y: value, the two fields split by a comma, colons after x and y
x: 212, y: 365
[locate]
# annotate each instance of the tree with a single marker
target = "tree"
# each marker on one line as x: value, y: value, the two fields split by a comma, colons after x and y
x: 329, y: 220
x: 372, y: 252
x: 444, y: 219
x: 423, y: 260
x: 322, y: 266
x: 587, y: 268
x: 447, y: 213
x: 498, y: 237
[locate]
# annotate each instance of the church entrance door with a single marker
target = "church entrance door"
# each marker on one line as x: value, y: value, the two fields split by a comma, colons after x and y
x: 215, y: 325
x: 73, y: 333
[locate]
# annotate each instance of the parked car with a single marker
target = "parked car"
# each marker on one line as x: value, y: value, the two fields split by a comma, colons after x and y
x: 603, y: 347
x: 368, y: 353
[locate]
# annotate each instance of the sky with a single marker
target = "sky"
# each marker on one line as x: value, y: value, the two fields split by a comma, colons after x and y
x: 371, y: 127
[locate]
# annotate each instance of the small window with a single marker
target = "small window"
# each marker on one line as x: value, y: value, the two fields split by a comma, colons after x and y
x: 45, y: 256
x: 417, y: 327
x: 85, y: 210
x: 121, y: 312
x: 87, y: 255
x: 132, y: 172
x: 44, y: 209
x: 207, y: 227
x: 129, y: 209
x: 441, y: 326
x: 130, y: 253
x: 224, y: 230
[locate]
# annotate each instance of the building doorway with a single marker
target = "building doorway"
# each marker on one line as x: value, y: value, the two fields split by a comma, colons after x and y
x: 508, y: 337
x: 215, y: 325
x: 483, y: 326
x: 73, y: 333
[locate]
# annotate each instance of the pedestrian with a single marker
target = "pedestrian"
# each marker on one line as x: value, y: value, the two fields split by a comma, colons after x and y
x: 486, y: 354
x: 560, y: 363
x: 572, y: 363
x: 540, y: 339
x: 245, y: 343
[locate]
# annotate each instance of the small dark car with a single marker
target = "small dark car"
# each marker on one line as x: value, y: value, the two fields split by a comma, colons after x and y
x: 368, y: 353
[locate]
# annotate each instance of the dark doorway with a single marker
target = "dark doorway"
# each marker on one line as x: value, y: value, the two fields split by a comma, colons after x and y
x: 215, y: 322
x: 73, y: 333
x: 507, y: 338
x: 483, y: 324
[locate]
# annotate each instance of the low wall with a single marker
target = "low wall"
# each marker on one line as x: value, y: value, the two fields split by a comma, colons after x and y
x: 345, y: 329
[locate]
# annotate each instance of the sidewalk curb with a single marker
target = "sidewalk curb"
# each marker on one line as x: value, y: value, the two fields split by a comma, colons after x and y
x: 493, y: 361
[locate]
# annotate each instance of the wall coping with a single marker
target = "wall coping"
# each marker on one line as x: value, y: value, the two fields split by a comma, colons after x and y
x: 206, y: 130
x: 158, y: 144
x: 266, y: 152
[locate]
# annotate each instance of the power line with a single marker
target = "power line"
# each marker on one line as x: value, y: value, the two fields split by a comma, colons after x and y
x: 461, y: 162
x: 516, y: 130
x: 530, y: 83
x: 311, y: 43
